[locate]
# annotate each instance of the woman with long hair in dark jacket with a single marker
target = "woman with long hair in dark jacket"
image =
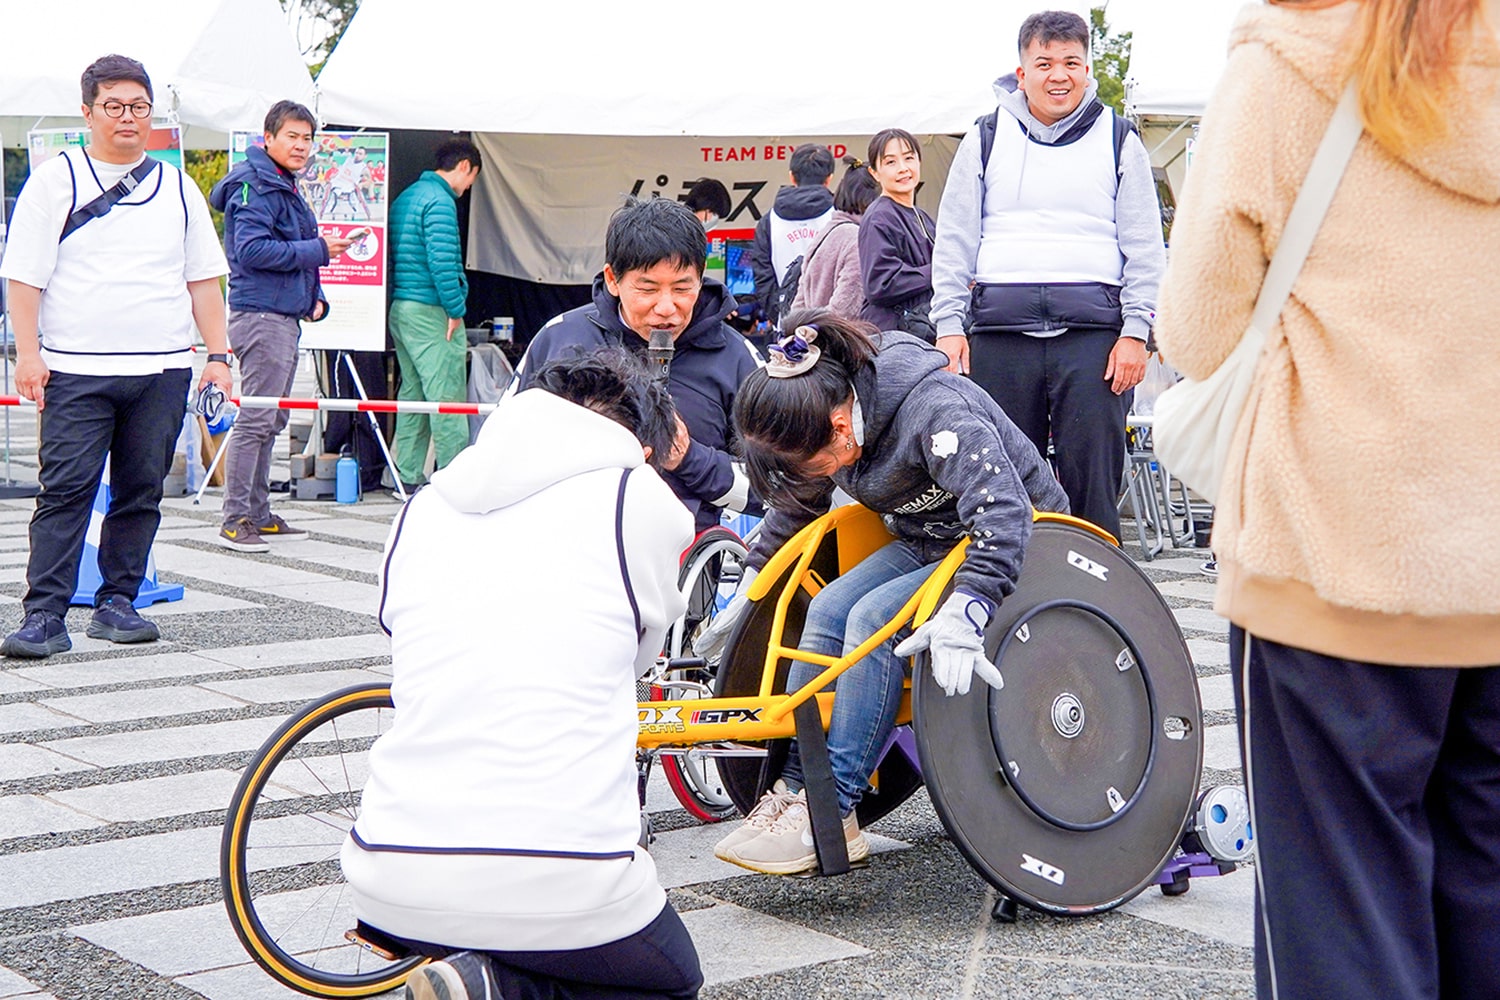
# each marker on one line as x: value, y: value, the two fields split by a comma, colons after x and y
x: 895, y: 240
x: 842, y: 405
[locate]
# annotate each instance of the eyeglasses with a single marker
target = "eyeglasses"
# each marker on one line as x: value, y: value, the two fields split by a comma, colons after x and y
x: 116, y: 109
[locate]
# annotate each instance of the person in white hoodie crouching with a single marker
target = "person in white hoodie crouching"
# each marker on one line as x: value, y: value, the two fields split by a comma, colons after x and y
x: 524, y: 591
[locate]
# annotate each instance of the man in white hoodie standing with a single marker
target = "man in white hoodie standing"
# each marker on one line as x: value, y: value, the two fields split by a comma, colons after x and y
x: 501, y: 814
x: 1047, y: 260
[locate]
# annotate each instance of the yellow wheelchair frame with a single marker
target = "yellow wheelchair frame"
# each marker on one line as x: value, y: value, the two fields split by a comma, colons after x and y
x: 663, y: 726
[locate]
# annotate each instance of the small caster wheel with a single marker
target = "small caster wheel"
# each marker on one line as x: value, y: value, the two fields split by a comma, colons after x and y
x: 1176, y: 887
x: 1005, y: 910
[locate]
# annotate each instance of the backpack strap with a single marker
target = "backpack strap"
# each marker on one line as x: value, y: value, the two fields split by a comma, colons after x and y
x: 100, y: 206
x: 1123, y: 127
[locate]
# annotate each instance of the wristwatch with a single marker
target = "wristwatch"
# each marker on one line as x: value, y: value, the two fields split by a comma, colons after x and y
x: 222, y: 359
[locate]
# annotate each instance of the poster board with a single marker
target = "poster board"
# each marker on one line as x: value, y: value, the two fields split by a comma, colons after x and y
x: 345, y: 184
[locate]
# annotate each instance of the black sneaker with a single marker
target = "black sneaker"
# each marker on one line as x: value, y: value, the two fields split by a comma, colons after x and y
x: 117, y: 621
x: 277, y: 528
x: 1210, y: 568
x: 41, y: 634
x: 463, y: 975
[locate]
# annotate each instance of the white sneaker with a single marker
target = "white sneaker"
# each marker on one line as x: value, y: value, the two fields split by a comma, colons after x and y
x: 787, y: 847
x: 771, y: 805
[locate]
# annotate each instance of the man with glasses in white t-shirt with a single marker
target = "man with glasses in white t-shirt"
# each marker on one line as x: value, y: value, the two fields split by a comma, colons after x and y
x: 112, y: 261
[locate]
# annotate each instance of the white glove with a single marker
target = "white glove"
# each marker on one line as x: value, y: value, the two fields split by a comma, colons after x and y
x: 955, y: 636
x: 711, y: 637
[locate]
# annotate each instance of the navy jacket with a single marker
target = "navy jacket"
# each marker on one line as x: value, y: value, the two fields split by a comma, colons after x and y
x: 895, y: 260
x: 271, y: 239
x: 710, y: 362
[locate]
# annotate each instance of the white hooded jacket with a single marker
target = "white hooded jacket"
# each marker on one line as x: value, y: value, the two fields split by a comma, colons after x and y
x: 523, y: 590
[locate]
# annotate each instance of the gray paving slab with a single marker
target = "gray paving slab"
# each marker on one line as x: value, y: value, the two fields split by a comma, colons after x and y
x: 280, y: 654
x: 736, y: 943
x: 122, y: 669
x: 1202, y: 620
x: 27, y: 815
x: 242, y: 571
x: 171, y: 743
x: 11, y: 683
x: 686, y: 856
x: 1217, y: 692
x: 24, y: 717
x: 1221, y: 907
x: 22, y: 760
x: 242, y: 982
x: 1194, y: 590
x: 198, y: 602
x: 172, y: 943
x: 331, y: 554
x: 112, y: 866
x: 355, y: 529
x: 1209, y: 652
x: 1221, y: 748
x: 13, y: 985
x: 151, y: 798
x: 293, y: 687
x: 1184, y: 564
x: 346, y: 595
x: 140, y: 703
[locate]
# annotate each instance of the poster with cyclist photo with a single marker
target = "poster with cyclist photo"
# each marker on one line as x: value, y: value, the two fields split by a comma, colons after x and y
x: 344, y: 182
x: 42, y: 144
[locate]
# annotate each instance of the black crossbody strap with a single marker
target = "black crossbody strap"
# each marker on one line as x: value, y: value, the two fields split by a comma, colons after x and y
x: 100, y: 206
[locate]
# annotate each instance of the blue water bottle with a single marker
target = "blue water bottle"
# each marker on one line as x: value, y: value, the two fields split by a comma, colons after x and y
x: 346, y: 479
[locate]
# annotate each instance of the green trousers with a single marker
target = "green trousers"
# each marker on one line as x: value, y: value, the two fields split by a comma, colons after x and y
x: 432, y: 368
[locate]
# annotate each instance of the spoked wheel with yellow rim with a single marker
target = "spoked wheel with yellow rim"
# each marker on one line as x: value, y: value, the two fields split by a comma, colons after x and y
x: 279, y: 857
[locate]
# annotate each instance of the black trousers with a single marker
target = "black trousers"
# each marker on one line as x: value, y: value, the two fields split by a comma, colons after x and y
x: 133, y: 419
x: 1054, y: 387
x: 657, y: 962
x: 1375, y: 799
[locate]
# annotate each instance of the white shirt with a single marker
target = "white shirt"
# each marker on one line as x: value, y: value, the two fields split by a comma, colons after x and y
x: 114, y: 294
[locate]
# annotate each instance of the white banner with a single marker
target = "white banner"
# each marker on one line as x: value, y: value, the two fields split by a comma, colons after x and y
x: 542, y: 202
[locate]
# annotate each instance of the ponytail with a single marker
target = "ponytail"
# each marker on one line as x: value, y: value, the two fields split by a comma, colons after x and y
x: 783, y: 420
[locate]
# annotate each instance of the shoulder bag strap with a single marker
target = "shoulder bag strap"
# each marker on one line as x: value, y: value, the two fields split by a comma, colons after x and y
x: 1308, y: 210
x: 100, y: 206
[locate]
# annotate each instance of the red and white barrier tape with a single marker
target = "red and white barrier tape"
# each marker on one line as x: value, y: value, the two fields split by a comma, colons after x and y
x: 340, y: 405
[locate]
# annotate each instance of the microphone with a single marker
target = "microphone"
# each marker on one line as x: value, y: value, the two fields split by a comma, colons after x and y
x: 659, y: 351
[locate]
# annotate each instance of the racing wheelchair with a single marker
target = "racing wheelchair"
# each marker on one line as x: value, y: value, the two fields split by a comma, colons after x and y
x: 1070, y: 790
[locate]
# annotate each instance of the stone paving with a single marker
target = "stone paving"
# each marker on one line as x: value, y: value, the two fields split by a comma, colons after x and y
x: 116, y: 764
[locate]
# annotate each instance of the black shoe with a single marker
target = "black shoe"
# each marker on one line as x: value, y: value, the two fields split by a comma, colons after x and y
x: 41, y: 634
x: 463, y: 975
x: 117, y: 621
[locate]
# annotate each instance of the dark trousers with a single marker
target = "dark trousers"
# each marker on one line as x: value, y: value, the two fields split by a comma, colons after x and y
x: 1054, y: 387
x: 135, y: 420
x: 1375, y: 799
x: 657, y: 962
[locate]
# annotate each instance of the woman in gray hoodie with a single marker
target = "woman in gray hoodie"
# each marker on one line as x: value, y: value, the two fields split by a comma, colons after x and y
x: 875, y: 414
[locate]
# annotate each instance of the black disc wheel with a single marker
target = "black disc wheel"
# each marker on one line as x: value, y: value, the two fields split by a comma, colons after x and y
x: 1069, y: 788
x: 279, y: 856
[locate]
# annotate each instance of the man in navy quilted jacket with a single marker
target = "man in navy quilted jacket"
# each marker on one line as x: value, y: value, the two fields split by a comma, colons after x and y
x: 271, y: 239
x: 427, y: 314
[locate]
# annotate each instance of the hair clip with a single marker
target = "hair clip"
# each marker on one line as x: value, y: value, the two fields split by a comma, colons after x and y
x: 794, y: 353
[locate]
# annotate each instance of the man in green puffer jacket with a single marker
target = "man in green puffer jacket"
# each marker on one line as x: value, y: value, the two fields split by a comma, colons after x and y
x: 427, y: 272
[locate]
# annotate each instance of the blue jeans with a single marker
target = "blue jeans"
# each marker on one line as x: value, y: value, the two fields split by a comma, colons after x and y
x: 842, y: 616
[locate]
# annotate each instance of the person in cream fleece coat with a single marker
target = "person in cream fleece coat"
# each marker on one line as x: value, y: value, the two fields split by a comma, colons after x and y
x: 1358, y: 529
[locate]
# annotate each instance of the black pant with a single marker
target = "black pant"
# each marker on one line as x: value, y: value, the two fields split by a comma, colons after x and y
x: 1054, y: 387
x: 657, y: 962
x: 1375, y: 798
x: 135, y: 420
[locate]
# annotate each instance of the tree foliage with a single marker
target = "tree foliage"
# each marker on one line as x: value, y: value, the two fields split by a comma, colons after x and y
x: 207, y: 167
x: 319, y: 25
x: 1111, y: 59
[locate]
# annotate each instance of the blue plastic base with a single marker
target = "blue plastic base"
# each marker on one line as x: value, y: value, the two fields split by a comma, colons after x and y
x: 89, y: 579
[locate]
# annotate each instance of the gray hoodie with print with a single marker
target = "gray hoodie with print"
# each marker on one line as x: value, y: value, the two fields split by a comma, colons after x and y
x: 941, y: 461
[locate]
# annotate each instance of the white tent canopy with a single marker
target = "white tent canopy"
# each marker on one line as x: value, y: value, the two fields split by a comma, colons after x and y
x: 1177, y: 56
x: 594, y: 67
x: 219, y: 63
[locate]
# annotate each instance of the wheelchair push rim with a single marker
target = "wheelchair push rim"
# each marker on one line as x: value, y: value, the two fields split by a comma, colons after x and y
x: 279, y: 868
